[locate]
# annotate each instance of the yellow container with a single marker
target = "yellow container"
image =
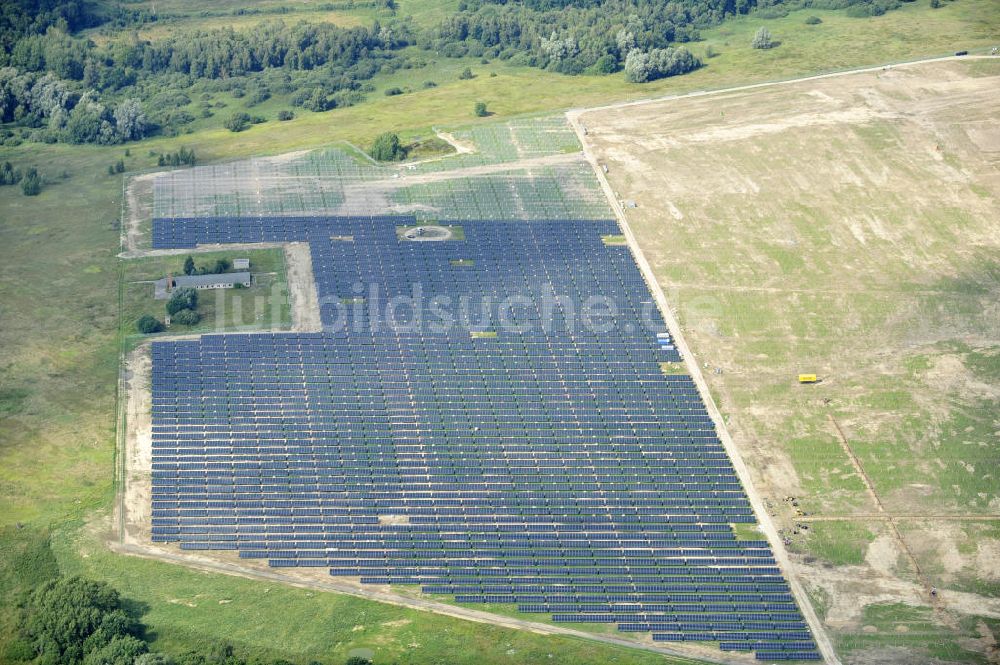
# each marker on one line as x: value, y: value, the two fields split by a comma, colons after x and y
x: 807, y: 378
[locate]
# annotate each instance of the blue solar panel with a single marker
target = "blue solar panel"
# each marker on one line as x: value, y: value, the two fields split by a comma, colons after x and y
x: 553, y: 466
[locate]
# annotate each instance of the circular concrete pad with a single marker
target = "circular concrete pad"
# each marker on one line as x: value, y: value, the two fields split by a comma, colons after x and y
x: 427, y: 233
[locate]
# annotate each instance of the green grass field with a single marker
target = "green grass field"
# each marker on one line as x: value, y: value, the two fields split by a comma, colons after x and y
x: 59, y: 322
x: 263, y: 306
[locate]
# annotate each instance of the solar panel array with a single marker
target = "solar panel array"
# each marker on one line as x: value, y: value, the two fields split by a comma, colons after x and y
x: 331, y: 182
x: 518, y: 457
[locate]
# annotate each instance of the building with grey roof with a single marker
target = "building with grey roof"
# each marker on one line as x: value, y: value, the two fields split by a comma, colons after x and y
x: 225, y: 280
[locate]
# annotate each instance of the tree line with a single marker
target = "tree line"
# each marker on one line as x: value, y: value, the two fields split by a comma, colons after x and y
x: 67, y: 88
x: 572, y: 36
x: 71, y: 89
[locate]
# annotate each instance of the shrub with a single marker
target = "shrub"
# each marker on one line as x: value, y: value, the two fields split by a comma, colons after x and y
x: 184, y: 156
x: 606, y: 64
x: 184, y: 298
x: 658, y: 63
x: 9, y: 175
x: 762, y: 39
x: 480, y: 110
x: 186, y: 317
x: 221, y: 266
x: 120, y: 650
x: 237, y: 122
x: 147, y: 324
x: 387, y: 148
x: 466, y: 74
x: 31, y: 185
x: 392, y: 92
x: 285, y: 114
x: 258, y: 96
x: 430, y: 84
x: 813, y: 20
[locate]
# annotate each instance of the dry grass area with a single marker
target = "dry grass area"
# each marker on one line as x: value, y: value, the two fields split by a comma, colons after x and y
x: 847, y: 226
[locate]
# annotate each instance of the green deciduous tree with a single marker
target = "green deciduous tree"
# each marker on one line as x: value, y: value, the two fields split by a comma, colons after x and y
x: 237, y: 122
x: 183, y: 298
x: 122, y: 650
x: 387, y: 148
x: 219, y: 267
x: 147, y: 324
x: 31, y: 184
x: 762, y: 39
x: 186, y: 317
x: 643, y: 66
x: 480, y: 110
x: 9, y: 175
x: 130, y: 120
x: 189, y: 265
x: 63, y: 618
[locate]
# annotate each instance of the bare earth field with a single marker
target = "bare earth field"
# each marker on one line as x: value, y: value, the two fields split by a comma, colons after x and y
x: 850, y: 227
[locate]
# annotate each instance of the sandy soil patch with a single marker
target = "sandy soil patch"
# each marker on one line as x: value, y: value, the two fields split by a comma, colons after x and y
x: 137, y: 497
x: 302, y: 295
x: 138, y: 210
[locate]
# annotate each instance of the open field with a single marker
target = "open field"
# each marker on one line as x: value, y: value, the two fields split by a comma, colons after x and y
x: 169, y: 27
x: 849, y: 227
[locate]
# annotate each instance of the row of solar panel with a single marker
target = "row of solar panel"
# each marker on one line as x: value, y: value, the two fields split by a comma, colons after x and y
x: 573, y: 257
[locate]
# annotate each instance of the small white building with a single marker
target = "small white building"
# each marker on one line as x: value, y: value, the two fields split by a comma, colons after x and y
x: 241, y: 264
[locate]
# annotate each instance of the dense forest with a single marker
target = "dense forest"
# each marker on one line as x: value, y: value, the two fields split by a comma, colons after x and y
x: 70, y: 89
x: 64, y: 87
x: 575, y: 36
